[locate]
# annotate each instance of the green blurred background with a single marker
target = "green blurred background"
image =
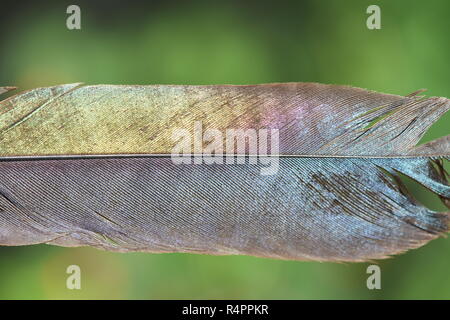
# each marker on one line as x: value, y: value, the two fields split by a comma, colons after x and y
x: 235, y: 42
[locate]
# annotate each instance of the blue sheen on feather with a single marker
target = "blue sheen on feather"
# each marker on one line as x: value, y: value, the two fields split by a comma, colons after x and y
x: 345, y: 209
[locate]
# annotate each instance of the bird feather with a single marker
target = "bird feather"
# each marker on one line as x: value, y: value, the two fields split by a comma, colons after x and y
x: 91, y: 166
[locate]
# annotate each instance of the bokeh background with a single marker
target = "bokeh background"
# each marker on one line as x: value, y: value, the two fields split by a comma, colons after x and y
x: 233, y: 42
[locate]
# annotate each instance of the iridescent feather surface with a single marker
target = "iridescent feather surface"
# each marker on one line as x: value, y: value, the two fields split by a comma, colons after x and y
x: 91, y: 166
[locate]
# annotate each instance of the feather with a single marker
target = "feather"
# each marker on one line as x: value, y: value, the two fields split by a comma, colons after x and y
x: 92, y: 166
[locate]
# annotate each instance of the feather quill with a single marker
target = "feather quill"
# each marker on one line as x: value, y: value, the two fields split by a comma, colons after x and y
x: 91, y: 166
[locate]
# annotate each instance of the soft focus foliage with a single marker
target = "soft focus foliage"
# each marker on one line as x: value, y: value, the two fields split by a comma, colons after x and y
x: 230, y: 42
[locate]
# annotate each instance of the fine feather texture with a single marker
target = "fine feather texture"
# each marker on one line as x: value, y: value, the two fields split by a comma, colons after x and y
x: 319, y: 209
x: 313, y: 119
x: 90, y: 165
